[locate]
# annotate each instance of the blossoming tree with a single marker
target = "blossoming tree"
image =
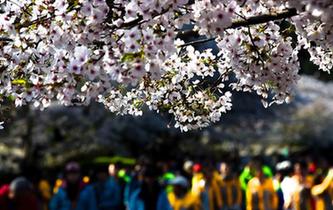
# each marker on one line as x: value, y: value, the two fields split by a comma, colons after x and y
x: 130, y: 54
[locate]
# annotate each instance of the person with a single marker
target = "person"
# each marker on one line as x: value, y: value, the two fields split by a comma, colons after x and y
x: 197, y: 178
x: 260, y: 194
x: 44, y: 191
x: 287, y: 184
x: 4, y: 199
x: 107, y: 191
x: 19, y: 195
x: 229, y: 184
x: 280, y: 173
x: 210, y: 195
x: 145, y: 197
x: 165, y: 188
x: 133, y: 184
x: 180, y: 198
x: 300, y: 187
x: 72, y: 193
x: 323, y: 192
x: 248, y: 173
x: 188, y: 169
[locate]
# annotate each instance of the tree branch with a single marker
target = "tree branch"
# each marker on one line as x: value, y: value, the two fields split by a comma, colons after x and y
x: 248, y: 22
x: 198, y: 41
x: 5, y: 39
x: 140, y: 20
x: 264, y: 18
x: 36, y: 21
x: 182, y: 35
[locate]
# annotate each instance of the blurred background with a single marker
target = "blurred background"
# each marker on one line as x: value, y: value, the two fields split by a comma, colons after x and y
x: 35, y: 140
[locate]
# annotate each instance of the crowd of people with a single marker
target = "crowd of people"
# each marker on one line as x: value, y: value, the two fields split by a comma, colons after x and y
x: 289, y: 185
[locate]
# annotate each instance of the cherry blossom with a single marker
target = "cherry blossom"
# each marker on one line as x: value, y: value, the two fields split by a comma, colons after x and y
x: 135, y: 54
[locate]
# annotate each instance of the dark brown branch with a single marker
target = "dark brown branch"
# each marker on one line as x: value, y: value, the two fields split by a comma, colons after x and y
x: 248, y: 22
x: 241, y: 23
x: 264, y: 18
x: 36, y: 21
x: 5, y: 39
x: 255, y: 46
x: 140, y: 20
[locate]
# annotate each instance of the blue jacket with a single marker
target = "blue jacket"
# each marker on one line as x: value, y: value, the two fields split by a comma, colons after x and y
x: 163, y: 202
x: 204, y: 197
x: 134, y: 201
x: 108, y: 195
x: 87, y: 200
x: 60, y: 200
x: 130, y: 188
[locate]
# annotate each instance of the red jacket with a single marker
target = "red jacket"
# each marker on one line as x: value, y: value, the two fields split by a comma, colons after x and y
x: 27, y: 201
x: 4, y: 202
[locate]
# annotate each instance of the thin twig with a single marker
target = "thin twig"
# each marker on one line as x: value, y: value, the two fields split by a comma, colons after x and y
x: 198, y: 41
x: 256, y: 49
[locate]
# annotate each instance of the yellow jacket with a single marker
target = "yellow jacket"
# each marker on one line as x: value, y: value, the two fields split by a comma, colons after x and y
x: 198, y: 183
x: 302, y: 198
x: 190, y: 200
x: 261, y: 195
x: 230, y: 191
x: 323, y: 193
x: 214, y: 194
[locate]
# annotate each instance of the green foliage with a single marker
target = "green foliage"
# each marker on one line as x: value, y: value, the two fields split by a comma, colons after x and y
x: 130, y: 57
x: 21, y: 82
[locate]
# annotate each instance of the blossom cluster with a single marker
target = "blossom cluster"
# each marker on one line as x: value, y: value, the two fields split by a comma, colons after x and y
x: 182, y: 91
x: 262, y: 61
x: 212, y: 18
x: 315, y: 31
x: 128, y: 54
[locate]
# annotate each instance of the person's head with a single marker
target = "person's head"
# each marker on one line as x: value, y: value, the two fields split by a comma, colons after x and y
x: 208, y: 172
x: 224, y: 169
x: 188, y: 167
x: 20, y: 187
x: 257, y: 169
x: 283, y: 169
x: 300, y: 168
x: 112, y: 169
x: 147, y: 178
x: 72, y: 172
x: 102, y: 173
x: 197, y: 168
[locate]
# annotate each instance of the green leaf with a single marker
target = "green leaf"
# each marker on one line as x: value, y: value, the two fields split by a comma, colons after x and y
x: 22, y: 82
x: 129, y: 57
x: 11, y: 98
x: 137, y: 103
